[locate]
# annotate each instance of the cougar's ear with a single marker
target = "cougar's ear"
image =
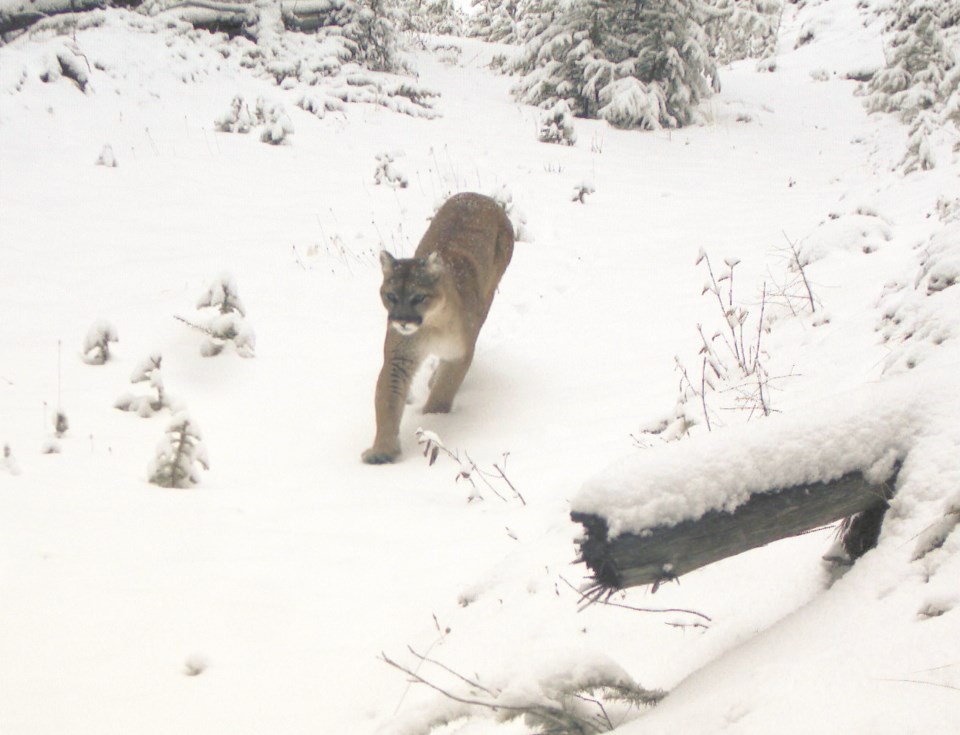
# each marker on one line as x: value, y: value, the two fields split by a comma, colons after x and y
x: 387, y: 261
x: 434, y: 264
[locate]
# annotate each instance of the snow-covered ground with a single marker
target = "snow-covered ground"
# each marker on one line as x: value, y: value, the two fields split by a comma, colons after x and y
x: 262, y: 599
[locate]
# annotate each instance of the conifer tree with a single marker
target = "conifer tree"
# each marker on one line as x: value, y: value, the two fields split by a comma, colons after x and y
x: 180, y: 455
x: 633, y: 64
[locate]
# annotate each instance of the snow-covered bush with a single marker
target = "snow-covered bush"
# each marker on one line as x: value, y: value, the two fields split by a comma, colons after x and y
x: 96, y: 345
x: 504, y: 197
x: 635, y: 65
x: 557, y: 126
x: 917, y: 311
x: 582, y: 190
x: 388, y: 172
x: 270, y: 116
x: 147, y: 372
x: 8, y: 462
x: 107, y: 157
x: 180, y: 455
x: 228, y: 324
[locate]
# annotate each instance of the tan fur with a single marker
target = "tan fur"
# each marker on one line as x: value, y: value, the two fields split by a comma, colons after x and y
x: 436, y: 303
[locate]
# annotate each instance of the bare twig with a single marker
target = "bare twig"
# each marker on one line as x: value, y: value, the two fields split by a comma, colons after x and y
x: 450, y: 671
x: 193, y: 325
x: 800, y: 268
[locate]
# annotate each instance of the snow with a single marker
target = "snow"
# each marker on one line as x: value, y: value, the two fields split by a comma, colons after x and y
x: 260, y: 599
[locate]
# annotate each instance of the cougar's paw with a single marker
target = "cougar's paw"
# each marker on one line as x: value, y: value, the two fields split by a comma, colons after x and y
x: 374, y: 455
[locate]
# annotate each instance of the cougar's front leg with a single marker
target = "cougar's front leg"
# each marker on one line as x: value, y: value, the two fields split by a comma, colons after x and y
x: 400, y: 362
x: 445, y: 384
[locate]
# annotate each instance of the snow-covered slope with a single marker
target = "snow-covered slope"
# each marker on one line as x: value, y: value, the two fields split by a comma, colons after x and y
x: 261, y: 599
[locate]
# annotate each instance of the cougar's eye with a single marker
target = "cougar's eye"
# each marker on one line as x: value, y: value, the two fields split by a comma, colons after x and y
x: 392, y: 298
x: 417, y: 299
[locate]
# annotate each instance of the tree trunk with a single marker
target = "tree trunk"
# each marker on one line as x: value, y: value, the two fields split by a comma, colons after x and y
x: 665, y: 552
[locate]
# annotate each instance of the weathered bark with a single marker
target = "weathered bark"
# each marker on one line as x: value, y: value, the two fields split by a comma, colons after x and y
x: 666, y: 552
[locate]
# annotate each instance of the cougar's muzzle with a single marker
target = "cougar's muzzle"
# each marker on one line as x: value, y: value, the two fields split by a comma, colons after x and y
x: 406, y: 325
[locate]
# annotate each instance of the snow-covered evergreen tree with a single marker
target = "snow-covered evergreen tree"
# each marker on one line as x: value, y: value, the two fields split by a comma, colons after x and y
x: 921, y: 79
x: 228, y: 325
x: 557, y: 126
x: 917, y: 74
x: 96, y: 345
x: 432, y: 16
x: 495, y: 20
x: 147, y: 372
x: 180, y: 455
x: 741, y: 29
x: 634, y: 64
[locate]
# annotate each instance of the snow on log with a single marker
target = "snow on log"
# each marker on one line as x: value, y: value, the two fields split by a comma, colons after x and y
x: 662, y: 512
x: 666, y: 552
x: 15, y: 15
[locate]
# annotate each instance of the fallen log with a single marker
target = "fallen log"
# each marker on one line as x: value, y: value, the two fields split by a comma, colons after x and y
x: 663, y: 553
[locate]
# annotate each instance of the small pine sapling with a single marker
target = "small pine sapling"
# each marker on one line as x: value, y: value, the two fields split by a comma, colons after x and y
x: 180, y: 455
x: 148, y: 372
x: 8, y: 462
x: 96, y: 345
x: 107, y: 157
x: 557, y: 127
x: 228, y: 324
x: 581, y: 191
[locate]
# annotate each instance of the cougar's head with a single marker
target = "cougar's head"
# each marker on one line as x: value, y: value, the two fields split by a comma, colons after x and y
x: 409, y: 290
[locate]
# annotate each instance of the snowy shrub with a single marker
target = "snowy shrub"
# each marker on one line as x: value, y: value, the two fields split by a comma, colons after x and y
x: 180, y: 455
x: 270, y: 116
x: 388, y: 172
x: 96, y: 345
x: 228, y: 323
x: 557, y: 126
x: 582, y: 190
x: 107, y: 158
x: 504, y: 197
x: 66, y: 62
x: 589, y: 49
x: 917, y: 311
x: 8, y: 462
x: 276, y: 123
x: 238, y: 119
x: 61, y: 424
x: 145, y: 406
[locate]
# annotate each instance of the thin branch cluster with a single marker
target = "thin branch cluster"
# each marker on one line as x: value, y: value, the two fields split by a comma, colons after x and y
x: 492, y: 480
x: 731, y: 356
x: 591, y: 699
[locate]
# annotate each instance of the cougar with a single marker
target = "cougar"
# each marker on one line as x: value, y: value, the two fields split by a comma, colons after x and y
x: 436, y: 303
